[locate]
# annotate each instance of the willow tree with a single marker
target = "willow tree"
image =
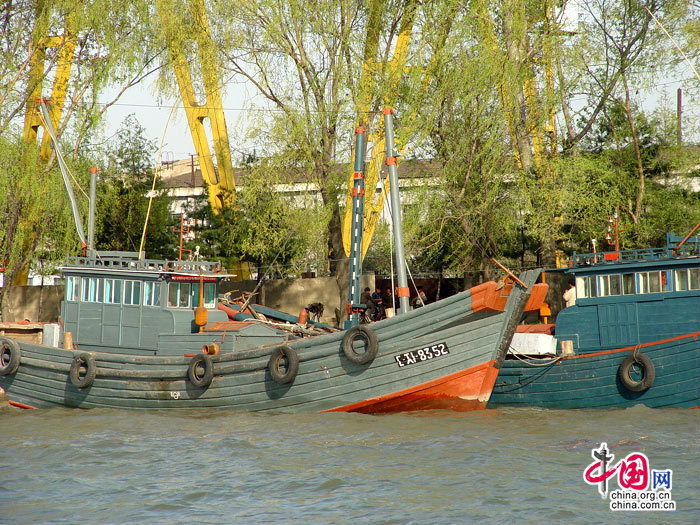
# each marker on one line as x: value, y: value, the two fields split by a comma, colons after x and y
x: 547, y: 67
x: 69, y: 53
x: 467, y: 210
x: 304, y: 59
x: 28, y: 189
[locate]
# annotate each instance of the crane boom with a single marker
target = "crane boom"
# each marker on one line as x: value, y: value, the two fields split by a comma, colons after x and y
x: 221, y: 186
x: 394, y: 69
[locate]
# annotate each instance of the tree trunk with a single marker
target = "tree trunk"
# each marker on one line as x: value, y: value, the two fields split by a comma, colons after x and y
x: 637, y: 152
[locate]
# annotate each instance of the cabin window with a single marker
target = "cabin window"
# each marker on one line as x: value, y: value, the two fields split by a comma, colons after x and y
x: 666, y: 281
x: 209, y: 295
x: 73, y: 288
x: 644, y: 283
x: 586, y: 287
x: 628, y: 284
x: 694, y: 278
x: 151, y: 293
x: 615, y: 285
x: 112, y: 290
x: 179, y: 295
x: 609, y: 285
x: 681, y: 280
x: 653, y: 282
x: 132, y: 292
x: 90, y: 289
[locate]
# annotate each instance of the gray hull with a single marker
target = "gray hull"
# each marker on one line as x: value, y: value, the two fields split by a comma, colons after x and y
x: 462, y: 378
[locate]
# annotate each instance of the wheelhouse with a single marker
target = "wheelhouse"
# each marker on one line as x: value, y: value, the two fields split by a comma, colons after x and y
x: 633, y: 297
x: 116, y: 300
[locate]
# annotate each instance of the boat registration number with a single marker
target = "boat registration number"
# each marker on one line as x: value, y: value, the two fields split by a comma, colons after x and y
x: 424, y: 354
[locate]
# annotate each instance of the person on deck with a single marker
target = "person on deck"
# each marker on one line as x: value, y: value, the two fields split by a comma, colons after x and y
x: 421, y: 299
x: 370, y: 305
x: 570, y: 294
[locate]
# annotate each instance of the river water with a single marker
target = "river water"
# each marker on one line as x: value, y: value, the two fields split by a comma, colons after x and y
x: 496, y: 466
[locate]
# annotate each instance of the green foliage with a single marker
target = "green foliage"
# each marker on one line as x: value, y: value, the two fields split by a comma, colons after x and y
x: 122, y: 203
x: 262, y: 228
x: 35, y: 220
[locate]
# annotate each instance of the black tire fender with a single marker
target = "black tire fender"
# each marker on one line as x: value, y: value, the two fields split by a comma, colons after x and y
x: 10, y: 356
x: 197, y: 378
x: 274, y: 365
x: 360, y: 332
x: 83, y: 360
x: 648, y: 373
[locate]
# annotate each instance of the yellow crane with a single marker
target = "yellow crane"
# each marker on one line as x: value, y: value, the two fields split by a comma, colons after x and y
x: 40, y: 43
x: 394, y: 69
x: 222, y: 185
x: 220, y: 179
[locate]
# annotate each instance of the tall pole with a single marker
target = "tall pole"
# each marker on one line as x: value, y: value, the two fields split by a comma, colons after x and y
x: 679, y: 114
x: 354, y: 308
x: 402, y: 290
x: 91, y: 212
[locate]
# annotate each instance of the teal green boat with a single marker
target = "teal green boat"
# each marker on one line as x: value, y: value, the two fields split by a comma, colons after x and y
x: 630, y: 339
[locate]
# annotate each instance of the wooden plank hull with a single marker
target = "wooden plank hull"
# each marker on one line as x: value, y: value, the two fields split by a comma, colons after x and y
x: 326, y: 380
x: 591, y: 380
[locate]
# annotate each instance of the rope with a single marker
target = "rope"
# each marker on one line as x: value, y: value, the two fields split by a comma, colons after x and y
x: 153, y: 187
x: 59, y: 154
x: 517, y: 355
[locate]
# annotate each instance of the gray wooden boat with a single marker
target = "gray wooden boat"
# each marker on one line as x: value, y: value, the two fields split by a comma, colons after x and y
x: 133, y: 338
x: 137, y: 345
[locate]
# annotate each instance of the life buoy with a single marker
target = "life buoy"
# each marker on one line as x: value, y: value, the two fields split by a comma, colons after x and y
x: 10, y: 356
x: 367, y: 335
x: 647, y: 369
x: 201, y: 370
x: 86, y: 361
x: 274, y: 365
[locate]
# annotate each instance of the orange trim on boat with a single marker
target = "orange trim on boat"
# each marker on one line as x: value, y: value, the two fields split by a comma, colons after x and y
x: 21, y: 405
x: 538, y: 293
x: 694, y: 335
x: 490, y: 296
x: 469, y: 389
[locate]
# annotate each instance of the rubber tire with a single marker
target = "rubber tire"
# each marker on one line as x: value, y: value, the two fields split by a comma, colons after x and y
x: 647, y: 369
x: 87, y: 359
x: 362, y: 332
x: 273, y: 365
x: 8, y: 346
x: 204, y: 380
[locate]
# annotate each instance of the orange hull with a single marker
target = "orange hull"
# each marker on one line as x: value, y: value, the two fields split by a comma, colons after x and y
x: 463, y: 391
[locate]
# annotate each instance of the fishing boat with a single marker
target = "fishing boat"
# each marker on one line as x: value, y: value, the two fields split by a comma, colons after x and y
x: 631, y: 338
x: 149, y: 334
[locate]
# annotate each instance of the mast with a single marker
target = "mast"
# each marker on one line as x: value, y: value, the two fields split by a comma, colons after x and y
x: 91, y: 212
x: 354, y: 308
x: 64, y: 172
x: 397, y: 228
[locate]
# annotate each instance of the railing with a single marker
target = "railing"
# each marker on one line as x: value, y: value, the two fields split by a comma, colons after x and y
x: 622, y: 256
x: 130, y: 263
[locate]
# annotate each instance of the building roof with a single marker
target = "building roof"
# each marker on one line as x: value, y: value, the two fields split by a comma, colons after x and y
x: 187, y: 174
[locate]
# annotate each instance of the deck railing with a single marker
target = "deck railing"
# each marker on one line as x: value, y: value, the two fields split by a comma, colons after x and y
x: 623, y: 256
x: 129, y: 262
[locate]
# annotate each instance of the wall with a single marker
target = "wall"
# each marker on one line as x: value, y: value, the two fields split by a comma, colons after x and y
x: 291, y: 295
x: 38, y: 304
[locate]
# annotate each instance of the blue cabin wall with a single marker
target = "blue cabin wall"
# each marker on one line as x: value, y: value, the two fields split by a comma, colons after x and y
x: 613, y: 322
